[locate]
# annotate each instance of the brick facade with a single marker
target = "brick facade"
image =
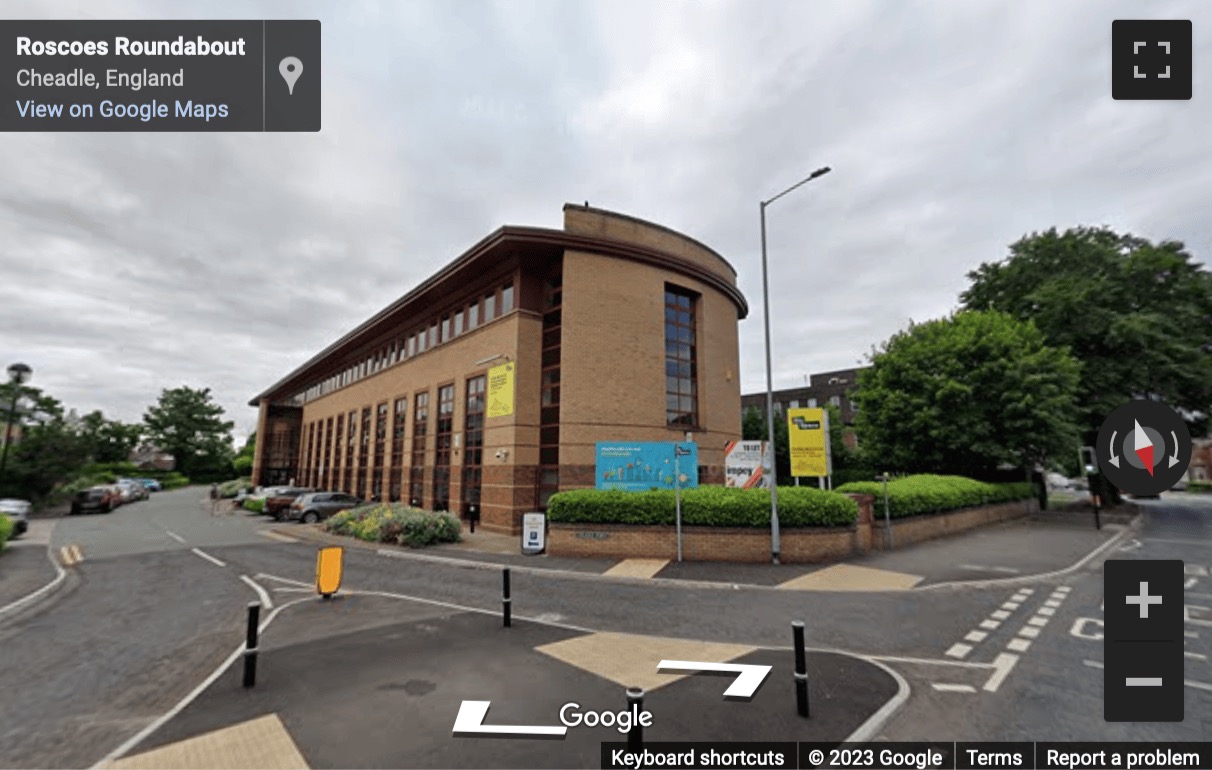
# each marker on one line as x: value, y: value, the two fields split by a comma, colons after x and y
x: 614, y: 270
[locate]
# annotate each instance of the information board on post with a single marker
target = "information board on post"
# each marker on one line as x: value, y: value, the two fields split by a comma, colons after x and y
x: 746, y: 464
x: 639, y: 466
x: 808, y: 439
x: 171, y: 75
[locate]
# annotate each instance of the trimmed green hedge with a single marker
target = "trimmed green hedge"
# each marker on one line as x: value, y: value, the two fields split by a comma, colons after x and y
x: 705, y: 506
x: 1199, y: 486
x: 925, y: 493
x: 6, y: 530
x: 396, y: 523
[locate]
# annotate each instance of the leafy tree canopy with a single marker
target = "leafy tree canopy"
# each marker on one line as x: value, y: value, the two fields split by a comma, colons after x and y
x: 187, y: 423
x: 966, y: 394
x: 1138, y: 315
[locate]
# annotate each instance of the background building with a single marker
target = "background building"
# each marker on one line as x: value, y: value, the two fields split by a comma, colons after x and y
x: 612, y: 329
x: 823, y: 389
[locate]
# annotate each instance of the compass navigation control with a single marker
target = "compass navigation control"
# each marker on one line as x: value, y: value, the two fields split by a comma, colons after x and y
x: 1144, y: 447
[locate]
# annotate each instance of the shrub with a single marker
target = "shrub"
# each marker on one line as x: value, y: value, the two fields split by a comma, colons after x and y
x: 254, y: 504
x: 6, y: 530
x: 704, y: 506
x: 232, y: 488
x: 1199, y: 486
x: 172, y: 480
x: 395, y: 523
x: 926, y: 493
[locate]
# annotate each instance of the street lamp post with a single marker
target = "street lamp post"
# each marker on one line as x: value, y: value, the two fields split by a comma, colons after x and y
x: 774, y: 489
x: 17, y: 375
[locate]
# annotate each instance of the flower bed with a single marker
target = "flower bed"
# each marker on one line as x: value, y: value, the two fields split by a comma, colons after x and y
x: 396, y: 523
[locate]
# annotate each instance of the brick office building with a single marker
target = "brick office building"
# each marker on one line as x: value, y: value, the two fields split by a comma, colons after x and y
x: 617, y: 329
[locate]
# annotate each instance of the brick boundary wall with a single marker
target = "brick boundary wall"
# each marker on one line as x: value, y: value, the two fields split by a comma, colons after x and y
x: 797, y: 544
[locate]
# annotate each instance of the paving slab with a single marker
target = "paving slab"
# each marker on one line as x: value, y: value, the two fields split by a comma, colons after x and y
x: 388, y: 696
x: 261, y: 743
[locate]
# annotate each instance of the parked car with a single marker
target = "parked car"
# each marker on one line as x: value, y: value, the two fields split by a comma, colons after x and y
x: 100, y: 499
x: 318, y: 506
x: 18, y: 511
x: 277, y: 504
x: 132, y: 489
x: 150, y: 484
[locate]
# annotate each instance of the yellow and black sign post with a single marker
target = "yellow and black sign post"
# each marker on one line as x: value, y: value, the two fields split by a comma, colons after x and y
x: 330, y: 562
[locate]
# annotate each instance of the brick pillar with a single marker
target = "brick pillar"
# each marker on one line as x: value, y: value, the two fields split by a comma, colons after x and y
x: 863, y: 524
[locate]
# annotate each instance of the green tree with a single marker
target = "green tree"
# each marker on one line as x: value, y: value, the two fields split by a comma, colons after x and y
x: 243, y: 462
x: 966, y: 394
x: 188, y: 424
x: 48, y: 449
x: 1137, y: 315
x: 109, y: 441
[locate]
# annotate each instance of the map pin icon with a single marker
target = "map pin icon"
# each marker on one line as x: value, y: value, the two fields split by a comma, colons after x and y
x: 290, y: 68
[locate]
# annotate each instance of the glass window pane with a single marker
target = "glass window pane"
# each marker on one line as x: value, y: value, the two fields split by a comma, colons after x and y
x: 490, y: 305
x: 671, y: 402
x: 683, y: 301
x: 506, y: 299
x: 446, y: 328
x: 671, y: 368
x: 684, y: 318
x: 473, y: 315
x: 671, y: 384
x: 458, y: 322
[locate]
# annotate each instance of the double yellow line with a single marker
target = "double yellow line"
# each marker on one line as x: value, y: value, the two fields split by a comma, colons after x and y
x: 70, y: 555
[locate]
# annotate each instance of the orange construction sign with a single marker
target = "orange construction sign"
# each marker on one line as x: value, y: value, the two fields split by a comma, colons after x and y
x: 329, y: 565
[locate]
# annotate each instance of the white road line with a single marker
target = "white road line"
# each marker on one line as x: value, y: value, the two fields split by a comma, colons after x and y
x: 60, y: 576
x: 1195, y: 569
x: 277, y: 536
x: 1053, y: 603
x: 1195, y: 656
x: 288, y: 581
x: 1064, y: 589
x: 990, y: 624
x: 175, y: 536
x: 1198, y: 685
x: 984, y: 568
x: 1190, y: 583
x: 929, y: 661
x: 293, y: 590
x: 208, y: 557
x: 1057, y: 597
x: 1002, y: 666
x: 1038, y: 621
x: 1019, y: 645
x: 975, y: 636
x: 953, y: 687
x: 1028, y: 631
x: 1195, y: 621
x: 77, y: 554
x: 1012, y: 606
x: 1093, y: 663
x: 959, y: 650
x: 999, y: 614
x: 1191, y: 634
x: 1046, y: 611
x: 266, y: 602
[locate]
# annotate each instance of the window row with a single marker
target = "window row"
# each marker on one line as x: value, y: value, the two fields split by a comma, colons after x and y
x: 438, y: 330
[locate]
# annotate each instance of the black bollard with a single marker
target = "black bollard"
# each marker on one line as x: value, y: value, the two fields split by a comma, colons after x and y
x: 801, y: 668
x: 505, y: 600
x: 635, y: 704
x: 250, y: 644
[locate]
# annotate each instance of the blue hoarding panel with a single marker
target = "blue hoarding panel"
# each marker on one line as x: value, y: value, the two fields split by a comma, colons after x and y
x: 638, y: 466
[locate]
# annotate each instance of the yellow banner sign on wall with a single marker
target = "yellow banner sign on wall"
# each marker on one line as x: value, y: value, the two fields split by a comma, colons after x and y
x: 500, y: 390
x: 808, y: 436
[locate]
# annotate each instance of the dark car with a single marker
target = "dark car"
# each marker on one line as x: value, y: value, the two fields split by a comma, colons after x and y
x: 278, y: 503
x: 317, y: 506
x: 94, y: 500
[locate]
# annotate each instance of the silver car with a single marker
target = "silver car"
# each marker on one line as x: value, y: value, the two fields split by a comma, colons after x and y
x: 18, y: 511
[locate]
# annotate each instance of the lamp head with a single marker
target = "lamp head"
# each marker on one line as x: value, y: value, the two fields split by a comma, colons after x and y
x: 19, y: 373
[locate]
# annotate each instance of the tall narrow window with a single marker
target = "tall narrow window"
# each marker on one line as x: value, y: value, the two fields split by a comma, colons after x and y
x: 363, y: 453
x: 376, y: 474
x: 412, y: 345
x: 506, y: 298
x: 443, y: 438
x: 308, y: 468
x: 549, y: 410
x: 326, y: 478
x: 490, y: 305
x: 396, y: 486
x: 681, y: 363
x: 350, y: 445
x: 473, y: 440
x: 420, y: 429
x: 433, y: 334
x: 445, y: 328
x: 473, y: 315
x: 337, y: 446
x: 458, y: 322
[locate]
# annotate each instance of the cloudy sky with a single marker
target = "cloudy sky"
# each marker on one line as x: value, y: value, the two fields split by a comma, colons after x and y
x: 134, y: 262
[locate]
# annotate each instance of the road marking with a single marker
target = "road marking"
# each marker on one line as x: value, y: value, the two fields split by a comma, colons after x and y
x: 1022, y: 594
x: 953, y: 687
x: 1002, y: 666
x: 1195, y: 621
x: 208, y: 557
x: 990, y: 624
x: 929, y: 661
x: 959, y: 650
x: 175, y: 536
x: 1019, y: 645
x: 1093, y: 664
x: 983, y: 568
x: 1064, y: 589
x: 1053, y: 603
x: 1028, y: 631
x: 1191, y: 634
x: 1195, y: 656
x: 70, y: 555
x: 276, y: 536
x: 288, y: 581
x: 1195, y: 569
x: 266, y: 602
x: 999, y: 615
x: 1012, y: 606
x: 28, y: 599
x: 1046, y: 611
x: 1190, y: 583
x: 1078, y: 629
x: 1038, y: 621
x: 976, y: 636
